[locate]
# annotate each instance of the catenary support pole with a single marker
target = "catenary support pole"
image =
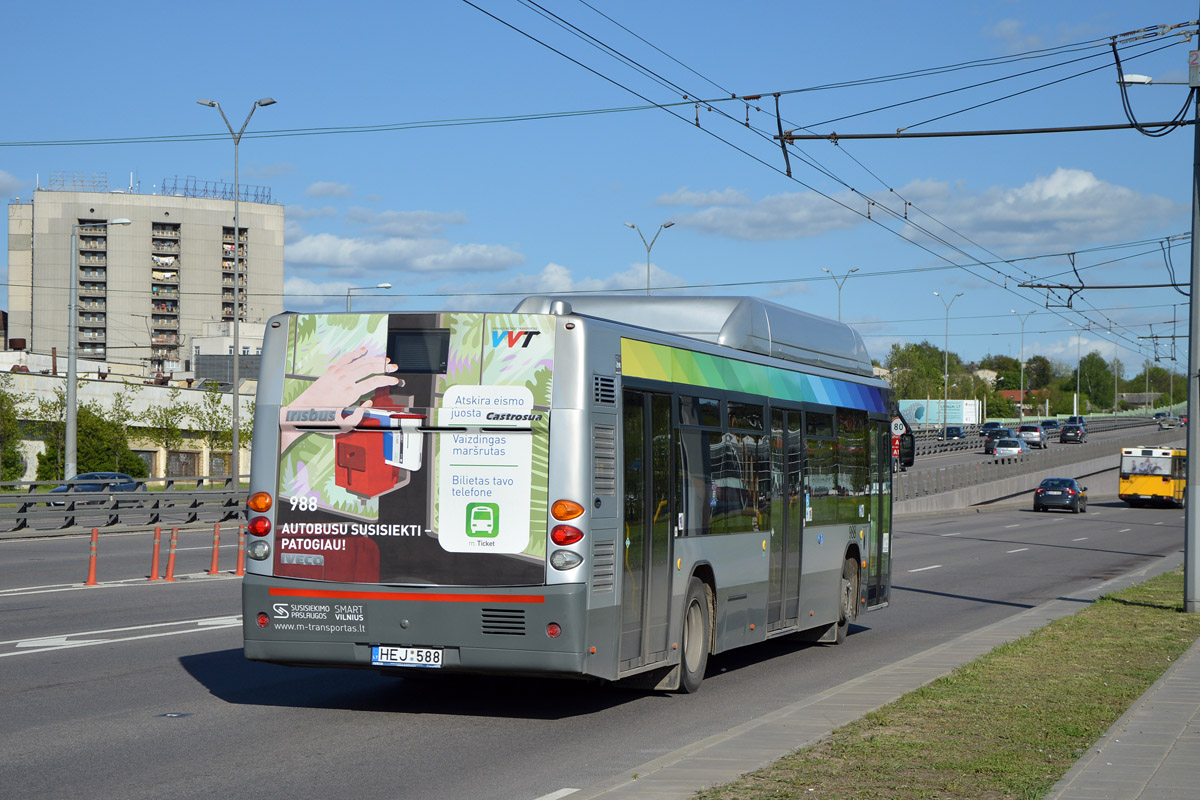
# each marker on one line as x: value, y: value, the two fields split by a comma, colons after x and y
x: 1191, y: 558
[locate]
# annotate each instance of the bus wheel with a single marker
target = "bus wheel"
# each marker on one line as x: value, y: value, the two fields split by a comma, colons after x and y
x: 697, y: 633
x: 849, y: 603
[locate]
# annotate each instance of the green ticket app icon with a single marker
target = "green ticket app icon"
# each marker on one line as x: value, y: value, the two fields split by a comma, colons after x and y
x: 483, y: 520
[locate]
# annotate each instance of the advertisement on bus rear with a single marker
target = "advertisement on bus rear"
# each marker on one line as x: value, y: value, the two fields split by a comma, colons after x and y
x: 414, y: 448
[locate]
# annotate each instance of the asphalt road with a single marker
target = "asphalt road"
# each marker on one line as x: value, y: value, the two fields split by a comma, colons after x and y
x: 138, y: 689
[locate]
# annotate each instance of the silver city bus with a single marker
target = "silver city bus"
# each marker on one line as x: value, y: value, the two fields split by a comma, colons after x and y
x: 604, y: 487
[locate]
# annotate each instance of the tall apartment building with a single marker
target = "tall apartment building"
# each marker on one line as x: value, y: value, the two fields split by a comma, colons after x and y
x: 148, y: 288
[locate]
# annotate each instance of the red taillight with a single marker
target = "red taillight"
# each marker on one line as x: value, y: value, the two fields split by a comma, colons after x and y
x: 565, y: 534
x: 263, y: 620
x: 1040, y: 491
x: 259, y: 526
x: 1070, y: 491
x: 553, y: 630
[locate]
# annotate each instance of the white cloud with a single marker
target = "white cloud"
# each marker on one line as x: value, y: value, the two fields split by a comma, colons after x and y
x: 686, y: 197
x: 404, y: 223
x: 781, y: 216
x: 340, y: 252
x: 1060, y: 212
x: 469, y: 258
x: 9, y: 185
x: 348, y: 256
x: 1012, y: 36
x: 299, y: 212
x: 293, y: 231
x: 328, y: 189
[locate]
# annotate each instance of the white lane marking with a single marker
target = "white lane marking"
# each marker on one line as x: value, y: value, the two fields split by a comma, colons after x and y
x: 1080, y: 539
x: 557, y: 795
x: 49, y: 586
x: 1012, y: 526
x: 79, y: 587
x: 1125, y: 530
x: 1019, y: 550
x: 64, y: 641
x: 922, y: 569
x: 956, y: 533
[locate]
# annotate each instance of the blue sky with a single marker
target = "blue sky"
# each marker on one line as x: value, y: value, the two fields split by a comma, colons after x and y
x: 476, y: 215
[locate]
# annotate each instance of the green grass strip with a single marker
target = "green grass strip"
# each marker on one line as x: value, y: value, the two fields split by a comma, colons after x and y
x: 1007, y: 725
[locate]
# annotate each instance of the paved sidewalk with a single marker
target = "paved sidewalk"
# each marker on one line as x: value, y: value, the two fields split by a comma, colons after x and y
x: 1148, y: 754
x: 1153, y: 751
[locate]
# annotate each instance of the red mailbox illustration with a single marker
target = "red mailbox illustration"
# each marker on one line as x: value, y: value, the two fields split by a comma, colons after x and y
x: 378, y: 455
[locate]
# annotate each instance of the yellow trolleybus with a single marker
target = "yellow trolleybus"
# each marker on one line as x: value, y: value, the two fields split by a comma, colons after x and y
x: 1152, y: 475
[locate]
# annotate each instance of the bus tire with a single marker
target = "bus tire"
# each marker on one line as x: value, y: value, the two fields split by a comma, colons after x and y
x: 697, y: 635
x: 848, y: 604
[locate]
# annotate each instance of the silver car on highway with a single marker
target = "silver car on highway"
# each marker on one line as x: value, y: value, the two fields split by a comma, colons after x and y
x: 1034, y: 435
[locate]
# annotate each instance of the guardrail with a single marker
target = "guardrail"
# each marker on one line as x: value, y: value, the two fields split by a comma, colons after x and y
x: 183, y: 500
x: 920, y: 482
x: 928, y: 442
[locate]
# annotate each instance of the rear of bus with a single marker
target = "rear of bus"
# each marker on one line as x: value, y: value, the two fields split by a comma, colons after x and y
x: 399, y: 498
x: 1152, y: 475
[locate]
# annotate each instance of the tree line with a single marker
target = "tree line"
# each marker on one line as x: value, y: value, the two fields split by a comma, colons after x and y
x: 103, y: 434
x: 916, y: 371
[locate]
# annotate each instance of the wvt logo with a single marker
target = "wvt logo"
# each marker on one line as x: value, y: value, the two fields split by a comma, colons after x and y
x: 512, y: 337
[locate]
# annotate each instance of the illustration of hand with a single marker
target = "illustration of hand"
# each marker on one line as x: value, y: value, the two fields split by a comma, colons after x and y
x: 349, y: 378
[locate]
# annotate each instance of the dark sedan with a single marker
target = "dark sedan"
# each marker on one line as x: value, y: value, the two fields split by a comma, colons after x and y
x: 1073, y: 433
x: 1060, y: 493
x: 97, y: 482
x: 989, y: 442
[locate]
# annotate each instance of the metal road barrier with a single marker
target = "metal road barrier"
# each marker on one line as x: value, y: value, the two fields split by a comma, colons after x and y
x: 27, y: 506
x: 929, y: 443
x: 920, y: 482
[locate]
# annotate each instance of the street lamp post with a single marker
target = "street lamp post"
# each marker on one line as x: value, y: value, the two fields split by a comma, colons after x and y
x: 649, y: 245
x: 235, y: 444
x: 840, y: 284
x: 70, y: 438
x: 1021, y: 402
x: 360, y: 288
x: 946, y: 358
x: 1078, y: 361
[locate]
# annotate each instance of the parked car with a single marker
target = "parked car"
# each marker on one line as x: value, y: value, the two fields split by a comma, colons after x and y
x: 989, y: 426
x: 1034, y: 436
x: 1050, y: 426
x: 1073, y: 433
x: 1060, y: 493
x: 97, y: 482
x: 951, y: 432
x: 994, y: 435
x: 1007, y: 448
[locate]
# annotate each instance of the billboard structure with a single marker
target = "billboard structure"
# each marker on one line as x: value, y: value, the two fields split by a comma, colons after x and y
x: 927, y: 412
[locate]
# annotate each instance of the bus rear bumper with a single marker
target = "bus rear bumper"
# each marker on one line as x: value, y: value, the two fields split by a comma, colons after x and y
x: 494, y: 629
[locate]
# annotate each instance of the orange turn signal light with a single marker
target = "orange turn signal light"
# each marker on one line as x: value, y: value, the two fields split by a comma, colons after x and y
x: 260, y: 502
x: 566, y: 509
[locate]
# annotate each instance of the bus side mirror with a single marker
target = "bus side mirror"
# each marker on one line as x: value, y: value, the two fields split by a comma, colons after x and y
x: 908, y: 449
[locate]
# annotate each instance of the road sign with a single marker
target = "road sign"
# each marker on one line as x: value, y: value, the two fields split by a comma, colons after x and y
x: 898, y: 426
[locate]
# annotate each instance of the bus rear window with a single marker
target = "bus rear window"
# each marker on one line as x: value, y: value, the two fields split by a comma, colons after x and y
x: 423, y: 351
